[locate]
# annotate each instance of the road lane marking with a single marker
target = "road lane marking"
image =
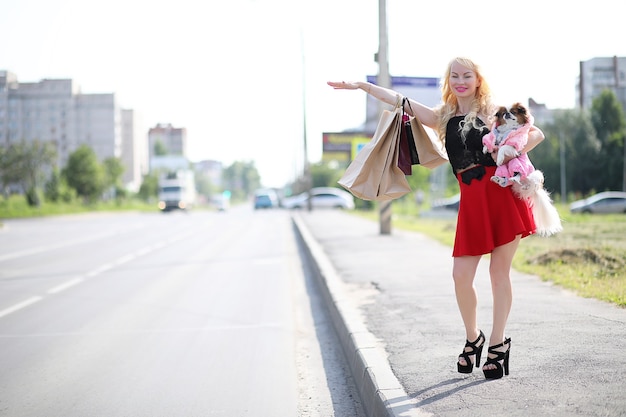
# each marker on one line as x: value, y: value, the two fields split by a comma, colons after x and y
x: 19, y: 306
x: 64, y: 244
x: 65, y: 285
x: 124, y: 259
x: 164, y: 330
x: 143, y: 251
x: 95, y: 272
x: 99, y: 270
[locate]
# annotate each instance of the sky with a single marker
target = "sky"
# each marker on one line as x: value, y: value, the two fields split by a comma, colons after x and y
x: 247, y: 78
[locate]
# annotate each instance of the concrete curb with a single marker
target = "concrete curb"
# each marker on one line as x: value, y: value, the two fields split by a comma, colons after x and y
x: 380, y: 392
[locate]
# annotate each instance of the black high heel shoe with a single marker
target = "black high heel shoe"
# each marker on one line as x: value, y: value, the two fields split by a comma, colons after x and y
x: 476, y: 350
x: 500, y: 368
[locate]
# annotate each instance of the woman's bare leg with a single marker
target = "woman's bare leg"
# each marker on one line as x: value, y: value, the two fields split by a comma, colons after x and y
x: 501, y: 289
x: 463, y: 272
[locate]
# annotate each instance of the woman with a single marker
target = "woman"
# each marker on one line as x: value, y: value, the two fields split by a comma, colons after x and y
x: 490, y: 219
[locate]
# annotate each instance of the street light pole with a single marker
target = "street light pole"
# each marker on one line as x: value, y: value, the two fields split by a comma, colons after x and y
x: 307, y: 169
x: 624, y: 176
x: 562, y: 167
x: 383, y: 80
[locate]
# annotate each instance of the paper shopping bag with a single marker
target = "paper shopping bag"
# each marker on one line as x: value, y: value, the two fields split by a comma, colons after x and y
x: 407, y: 156
x: 408, y: 152
x: 374, y: 173
x: 431, y: 151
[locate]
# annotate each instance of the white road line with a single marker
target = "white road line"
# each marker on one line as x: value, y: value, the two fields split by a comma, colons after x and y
x: 143, y: 251
x: 63, y: 244
x: 19, y: 306
x: 65, y: 286
x: 124, y: 259
x: 97, y: 271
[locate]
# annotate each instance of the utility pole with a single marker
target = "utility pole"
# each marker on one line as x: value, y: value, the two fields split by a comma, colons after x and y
x: 624, y: 177
x: 383, y: 80
x: 307, y: 168
x: 562, y: 166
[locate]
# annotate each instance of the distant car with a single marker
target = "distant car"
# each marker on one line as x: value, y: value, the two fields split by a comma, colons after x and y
x: 450, y: 203
x: 265, y: 199
x: 321, y: 197
x: 605, y: 202
x: 220, y: 202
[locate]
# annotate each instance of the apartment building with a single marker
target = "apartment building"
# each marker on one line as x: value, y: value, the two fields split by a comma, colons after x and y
x: 134, y: 149
x: 172, y: 140
x: 167, y: 147
x: 599, y: 74
x: 56, y: 111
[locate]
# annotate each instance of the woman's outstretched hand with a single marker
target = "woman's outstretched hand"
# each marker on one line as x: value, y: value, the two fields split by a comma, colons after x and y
x: 342, y: 85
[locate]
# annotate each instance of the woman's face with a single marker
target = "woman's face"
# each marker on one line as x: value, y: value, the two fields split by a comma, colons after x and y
x: 463, y: 81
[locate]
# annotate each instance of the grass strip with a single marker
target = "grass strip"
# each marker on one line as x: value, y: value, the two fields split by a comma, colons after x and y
x: 588, y: 257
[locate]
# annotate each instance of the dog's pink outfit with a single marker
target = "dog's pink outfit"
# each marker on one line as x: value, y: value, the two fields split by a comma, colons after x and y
x: 517, y: 138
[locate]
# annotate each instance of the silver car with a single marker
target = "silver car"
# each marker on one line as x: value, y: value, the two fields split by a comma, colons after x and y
x: 605, y: 202
x: 321, y: 197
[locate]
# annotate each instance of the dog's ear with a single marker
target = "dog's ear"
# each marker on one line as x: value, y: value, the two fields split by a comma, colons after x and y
x: 518, y: 108
x: 501, y: 112
x: 521, y: 112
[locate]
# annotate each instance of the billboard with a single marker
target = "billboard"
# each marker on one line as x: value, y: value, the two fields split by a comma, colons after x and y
x: 342, y: 146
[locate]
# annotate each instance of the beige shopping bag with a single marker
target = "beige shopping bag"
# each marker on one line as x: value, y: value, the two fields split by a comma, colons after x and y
x: 431, y: 152
x: 374, y: 172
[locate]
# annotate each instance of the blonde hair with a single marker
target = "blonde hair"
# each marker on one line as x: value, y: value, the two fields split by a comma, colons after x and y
x: 481, y: 104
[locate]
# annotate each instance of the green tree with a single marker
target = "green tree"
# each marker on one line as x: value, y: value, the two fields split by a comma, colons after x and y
x: 420, y: 180
x: 546, y: 156
x: 8, y: 176
x: 113, y: 171
x: 241, y: 178
x: 204, y: 185
x: 52, y: 188
x: 26, y: 164
x: 607, y: 116
x: 149, y: 188
x: 323, y: 175
x: 85, y: 174
x: 159, y: 148
x: 582, y: 152
x: 609, y: 123
x: 56, y: 188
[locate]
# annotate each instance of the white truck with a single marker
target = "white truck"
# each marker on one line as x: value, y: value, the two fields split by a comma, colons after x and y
x: 177, y: 190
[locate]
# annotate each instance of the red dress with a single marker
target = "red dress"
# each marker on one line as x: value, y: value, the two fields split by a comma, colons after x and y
x: 489, y: 215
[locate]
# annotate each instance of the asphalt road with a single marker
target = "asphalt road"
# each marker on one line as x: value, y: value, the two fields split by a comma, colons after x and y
x: 178, y: 314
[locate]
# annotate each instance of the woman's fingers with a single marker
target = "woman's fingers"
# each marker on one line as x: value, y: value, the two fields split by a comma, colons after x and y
x: 342, y: 85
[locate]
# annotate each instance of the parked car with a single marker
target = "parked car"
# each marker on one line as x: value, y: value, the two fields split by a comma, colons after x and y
x: 321, y: 197
x: 450, y: 203
x: 604, y: 202
x: 265, y: 199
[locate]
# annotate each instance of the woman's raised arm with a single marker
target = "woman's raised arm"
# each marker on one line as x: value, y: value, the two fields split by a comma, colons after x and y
x: 424, y: 113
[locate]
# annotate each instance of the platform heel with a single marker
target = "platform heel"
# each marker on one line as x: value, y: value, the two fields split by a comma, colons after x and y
x: 499, y: 359
x: 476, y: 350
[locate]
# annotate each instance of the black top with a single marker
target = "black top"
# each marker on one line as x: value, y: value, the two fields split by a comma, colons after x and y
x: 461, y: 153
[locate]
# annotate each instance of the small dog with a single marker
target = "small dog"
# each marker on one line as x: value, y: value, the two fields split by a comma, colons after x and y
x: 509, y: 135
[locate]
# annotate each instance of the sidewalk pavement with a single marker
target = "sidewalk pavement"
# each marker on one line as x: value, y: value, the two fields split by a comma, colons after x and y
x: 392, y: 302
